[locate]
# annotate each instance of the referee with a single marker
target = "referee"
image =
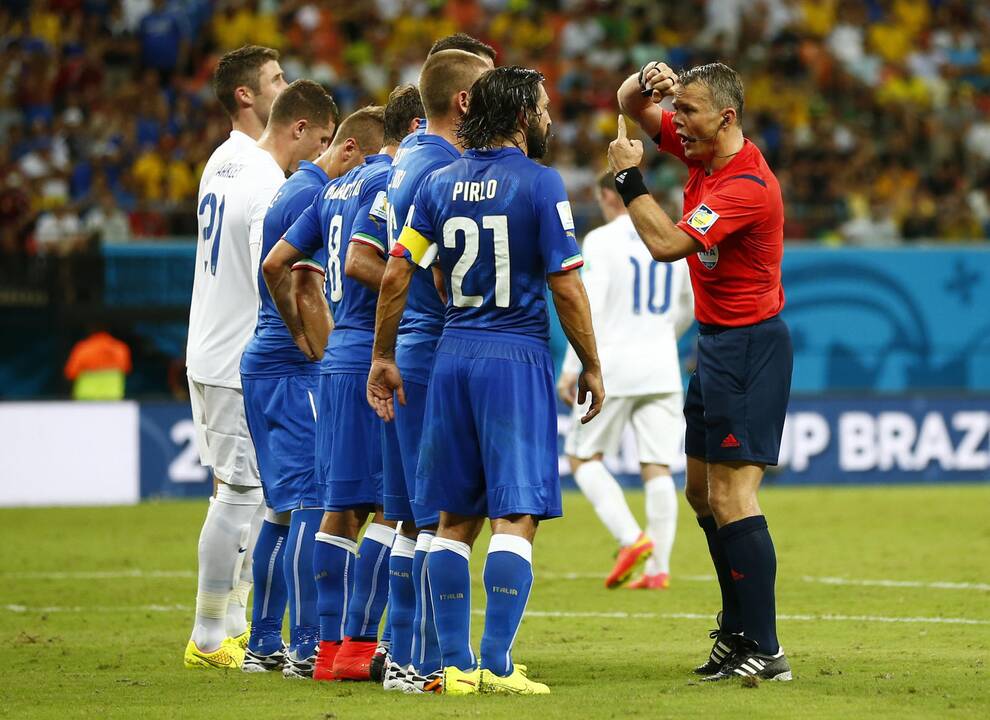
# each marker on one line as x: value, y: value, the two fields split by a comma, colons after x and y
x: 732, y: 236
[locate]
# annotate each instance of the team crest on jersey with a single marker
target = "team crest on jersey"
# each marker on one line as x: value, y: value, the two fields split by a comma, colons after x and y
x: 566, y: 217
x: 709, y: 258
x: 702, y: 218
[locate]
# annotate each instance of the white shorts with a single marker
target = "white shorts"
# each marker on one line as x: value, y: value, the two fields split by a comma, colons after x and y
x: 222, y: 435
x: 657, y: 421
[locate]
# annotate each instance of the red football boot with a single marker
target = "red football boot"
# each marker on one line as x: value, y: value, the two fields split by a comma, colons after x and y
x: 660, y: 581
x: 630, y: 558
x: 353, y: 661
x: 325, y: 655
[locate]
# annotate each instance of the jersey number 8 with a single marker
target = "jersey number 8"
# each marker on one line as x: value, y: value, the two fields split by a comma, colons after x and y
x: 336, y: 289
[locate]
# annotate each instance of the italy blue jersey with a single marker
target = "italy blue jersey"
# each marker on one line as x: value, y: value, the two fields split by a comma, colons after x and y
x: 422, y: 320
x: 349, y: 209
x: 272, y: 352
x: 497, y: 223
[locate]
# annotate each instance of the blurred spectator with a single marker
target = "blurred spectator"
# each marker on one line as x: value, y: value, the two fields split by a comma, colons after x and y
x: 59, y: 231
x: 97, y: 367
x: 851, y: 102
x: 107, y: 222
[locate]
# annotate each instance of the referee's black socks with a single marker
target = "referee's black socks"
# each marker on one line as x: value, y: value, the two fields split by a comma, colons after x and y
x: 730, y: 602
x: 753, y: 572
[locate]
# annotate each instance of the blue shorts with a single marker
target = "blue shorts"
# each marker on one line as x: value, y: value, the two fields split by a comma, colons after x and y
x: 349, y: 444
x: 400, y: 445
x: 489, y: 445
x: 280, y: 416
x: 737, y: 398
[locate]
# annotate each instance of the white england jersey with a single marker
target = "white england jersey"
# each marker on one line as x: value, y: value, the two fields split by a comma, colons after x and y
x: 639, y: 307
x: 232, y: 205
x: 237, y: 142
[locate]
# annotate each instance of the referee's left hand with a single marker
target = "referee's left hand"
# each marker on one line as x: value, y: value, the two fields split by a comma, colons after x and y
x: 624, y: 153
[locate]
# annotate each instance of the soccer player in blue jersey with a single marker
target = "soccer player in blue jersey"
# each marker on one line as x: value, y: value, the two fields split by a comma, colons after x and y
x: 444, y: 83
x: 499, y: 225
x: 352, y: 582
x: 280, y: 385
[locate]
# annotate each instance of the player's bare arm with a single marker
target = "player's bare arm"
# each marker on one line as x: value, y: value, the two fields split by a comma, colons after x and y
x: 364, y: 264
x: 307, y: 289
x: 665, y: 241
x: 571, y: 301
x: 384, y: 378
x: 276, y: 268
x: 643, y: 107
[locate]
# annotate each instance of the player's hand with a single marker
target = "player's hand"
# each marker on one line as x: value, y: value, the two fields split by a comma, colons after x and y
x: 384, y: 384
x: 590, y: 381
x: 303, y: 344
x: 567, y: 387
x: 661, y: 80
x: 624, y: 153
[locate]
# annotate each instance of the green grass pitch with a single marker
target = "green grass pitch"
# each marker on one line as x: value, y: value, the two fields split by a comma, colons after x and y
x: 883, y: 596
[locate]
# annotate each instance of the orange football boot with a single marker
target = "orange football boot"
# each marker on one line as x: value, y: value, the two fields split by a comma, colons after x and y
x: 353, y: 661
x: 325, y: 655
x: 660, y: 581
x: 630, y: 558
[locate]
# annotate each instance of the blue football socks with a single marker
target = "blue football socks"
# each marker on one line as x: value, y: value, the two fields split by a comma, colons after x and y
x: 753, y: 568
x: 366, y: 605
x: 508, y: 581
x: 425, y: 644
x: 304, y: 619
x: 333, y: 562
x: 450, y: 586
x: 269, y: 589
x: 401, y: 599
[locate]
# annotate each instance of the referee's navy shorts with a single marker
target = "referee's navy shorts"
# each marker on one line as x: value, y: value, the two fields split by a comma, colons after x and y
x: 737, y: 398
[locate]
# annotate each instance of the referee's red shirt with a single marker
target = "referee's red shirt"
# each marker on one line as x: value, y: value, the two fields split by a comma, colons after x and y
x: 737, y: 214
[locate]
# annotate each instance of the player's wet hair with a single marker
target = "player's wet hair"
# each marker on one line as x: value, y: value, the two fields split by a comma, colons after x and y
x: 240, y: 67
x: 366, y: 126
x: 722, y: 82
x: 445, y: 74
x: 463, y: 41
x: 404, y: 104
x: 497, y: 99
x: 304, y: 99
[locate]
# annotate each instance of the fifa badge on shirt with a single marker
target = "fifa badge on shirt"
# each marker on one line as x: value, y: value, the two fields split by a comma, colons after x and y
x: 709, y: 258
x: 702, y: 218
x: 566, y: 217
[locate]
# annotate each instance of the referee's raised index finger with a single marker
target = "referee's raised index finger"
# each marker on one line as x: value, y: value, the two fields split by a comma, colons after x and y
x: 622, y: 127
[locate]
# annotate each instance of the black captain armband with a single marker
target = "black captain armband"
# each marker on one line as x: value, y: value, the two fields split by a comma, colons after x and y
x: 629, y: 184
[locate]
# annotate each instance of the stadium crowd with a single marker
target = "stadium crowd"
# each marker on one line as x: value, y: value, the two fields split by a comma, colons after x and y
x: 875, y: 114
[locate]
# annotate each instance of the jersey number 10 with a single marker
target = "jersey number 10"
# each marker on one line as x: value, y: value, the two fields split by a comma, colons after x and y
x: 651, y: 299
x: 213, y: 226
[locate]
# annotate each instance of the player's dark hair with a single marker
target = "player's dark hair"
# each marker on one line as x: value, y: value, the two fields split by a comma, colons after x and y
x: 404, y: 105
x: 445, y: 74
x: 240, y: 67
x: 304, y: 99
x: 366, y: 126
x: 496, y: 101
x: 606, y: 180
x: 722, y: 81
x: 463, y: 41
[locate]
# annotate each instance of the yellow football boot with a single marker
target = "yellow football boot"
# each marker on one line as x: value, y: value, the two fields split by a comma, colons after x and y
x: 515, y: 684
x: 243, y: 638
x: 228, y: 656
x: 458, y: 682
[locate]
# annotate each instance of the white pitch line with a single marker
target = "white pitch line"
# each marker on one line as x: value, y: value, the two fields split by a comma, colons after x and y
x: 924, y: 584
x: 826, y: 580
x: 23, y: 609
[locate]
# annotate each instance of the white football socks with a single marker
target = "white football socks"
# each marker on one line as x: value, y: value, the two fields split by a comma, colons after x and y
x: 237, y: 608
x: 222, y: 544
x: 606, y: 497
x: 661, y: 522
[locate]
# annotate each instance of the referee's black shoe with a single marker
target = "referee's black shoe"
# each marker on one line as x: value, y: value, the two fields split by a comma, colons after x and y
x: 748, y: 661
x: 725, y: 645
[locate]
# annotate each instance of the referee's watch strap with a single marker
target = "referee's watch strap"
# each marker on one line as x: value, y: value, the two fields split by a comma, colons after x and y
x: 629, y: 184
